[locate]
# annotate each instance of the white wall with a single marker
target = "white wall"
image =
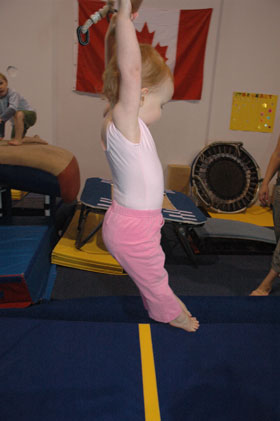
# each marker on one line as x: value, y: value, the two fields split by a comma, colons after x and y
x: 242, y: 55
x: 248, y: 61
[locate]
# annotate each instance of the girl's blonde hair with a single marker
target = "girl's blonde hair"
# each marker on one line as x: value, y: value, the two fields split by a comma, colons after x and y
x: 154, y: 71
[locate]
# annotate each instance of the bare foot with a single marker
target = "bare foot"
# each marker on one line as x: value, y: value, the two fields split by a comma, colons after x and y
x: 15, y: 142
x: 183, y: 307
x: 185, y: 322
x: 260, y: 292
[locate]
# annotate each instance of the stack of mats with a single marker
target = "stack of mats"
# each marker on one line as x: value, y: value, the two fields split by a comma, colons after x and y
x: 92, y: 360
x: 26, y: 273
x: 93, y: 256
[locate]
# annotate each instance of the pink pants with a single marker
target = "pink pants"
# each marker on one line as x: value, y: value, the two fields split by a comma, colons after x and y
x: 133, y: 238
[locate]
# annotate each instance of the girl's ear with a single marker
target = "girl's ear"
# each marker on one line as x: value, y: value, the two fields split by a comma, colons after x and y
x: 144, y: 91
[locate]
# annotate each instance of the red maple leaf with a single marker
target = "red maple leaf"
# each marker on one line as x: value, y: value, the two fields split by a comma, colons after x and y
x: 147, y: 37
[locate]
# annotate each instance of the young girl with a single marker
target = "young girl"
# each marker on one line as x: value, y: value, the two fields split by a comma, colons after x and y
x: 138, y: 83
x: 14, y: 107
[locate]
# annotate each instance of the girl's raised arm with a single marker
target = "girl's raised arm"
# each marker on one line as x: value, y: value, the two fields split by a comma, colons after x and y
x: 125, y: 112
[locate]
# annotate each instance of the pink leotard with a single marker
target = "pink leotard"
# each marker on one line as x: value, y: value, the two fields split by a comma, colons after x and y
x: 136, y: 169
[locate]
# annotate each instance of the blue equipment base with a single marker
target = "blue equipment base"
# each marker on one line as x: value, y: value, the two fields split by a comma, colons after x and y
x: 26, y: 273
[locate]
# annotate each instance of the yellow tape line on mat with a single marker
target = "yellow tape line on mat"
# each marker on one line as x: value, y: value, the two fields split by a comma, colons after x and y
x: 151, y: 403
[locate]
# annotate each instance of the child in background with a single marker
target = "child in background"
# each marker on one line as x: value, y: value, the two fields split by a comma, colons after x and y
x: 14, y: 107
x: 137, y: 84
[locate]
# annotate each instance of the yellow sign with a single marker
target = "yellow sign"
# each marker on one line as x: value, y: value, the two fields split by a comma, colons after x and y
x: 253, y: 112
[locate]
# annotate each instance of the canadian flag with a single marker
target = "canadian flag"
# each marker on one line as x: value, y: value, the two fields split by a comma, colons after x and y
x: 180, y: 36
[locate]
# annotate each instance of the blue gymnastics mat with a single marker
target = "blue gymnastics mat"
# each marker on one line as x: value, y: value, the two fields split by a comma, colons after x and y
x: 225, y: 372
x: 53, y: 370
x: 90, y: 368
x: 26, y: 273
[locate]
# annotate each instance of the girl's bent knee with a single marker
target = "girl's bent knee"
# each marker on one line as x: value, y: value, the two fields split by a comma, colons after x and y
x: 19, y: 115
